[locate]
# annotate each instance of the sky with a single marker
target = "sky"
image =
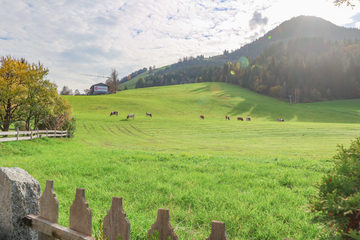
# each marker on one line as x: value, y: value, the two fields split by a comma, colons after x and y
x: 75, y: 37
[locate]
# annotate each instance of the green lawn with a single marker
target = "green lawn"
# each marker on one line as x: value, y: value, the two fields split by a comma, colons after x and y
x: 255, y: 176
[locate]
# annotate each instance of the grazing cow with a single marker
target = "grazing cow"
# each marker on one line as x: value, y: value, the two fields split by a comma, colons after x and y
x: 280, y: 120
x: 227, y: 118
x: 114, y: 113
x: 148, y: 114
x: 202, y: 116
x: 240, y: 118
x: 131, y: 116
x: 248, y: 118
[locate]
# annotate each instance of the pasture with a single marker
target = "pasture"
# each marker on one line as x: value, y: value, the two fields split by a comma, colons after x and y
x: 255, y: 176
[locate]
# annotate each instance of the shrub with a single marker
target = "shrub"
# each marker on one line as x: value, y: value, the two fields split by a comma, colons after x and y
x: 62, y: 122
x: 21, y: 125
x: 337, y: 204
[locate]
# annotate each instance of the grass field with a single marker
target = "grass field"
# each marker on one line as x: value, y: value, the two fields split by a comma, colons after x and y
x: 255, y: 176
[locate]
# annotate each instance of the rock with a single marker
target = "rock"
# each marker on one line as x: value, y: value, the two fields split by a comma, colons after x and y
x: 19, y: 196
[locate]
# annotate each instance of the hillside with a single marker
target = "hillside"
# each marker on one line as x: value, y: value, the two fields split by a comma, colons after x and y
x: 214, y: 100
x: 298, y: 27
x: 262, y: 172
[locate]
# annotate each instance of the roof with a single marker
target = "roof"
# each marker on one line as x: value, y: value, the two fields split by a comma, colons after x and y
x: 100, y: 84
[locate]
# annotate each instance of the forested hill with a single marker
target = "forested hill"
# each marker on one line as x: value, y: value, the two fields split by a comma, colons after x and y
x: 310, y: 69
x: 298, y: 27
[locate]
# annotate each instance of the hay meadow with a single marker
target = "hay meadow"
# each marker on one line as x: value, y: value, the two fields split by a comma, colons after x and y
x: 255, y: 176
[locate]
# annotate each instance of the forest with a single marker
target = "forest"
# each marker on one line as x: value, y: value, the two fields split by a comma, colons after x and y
x: 308, y: 69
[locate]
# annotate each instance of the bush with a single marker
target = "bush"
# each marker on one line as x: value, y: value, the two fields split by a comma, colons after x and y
x: 337, y: 204
x: 62, y: 122
x: 21, y: 125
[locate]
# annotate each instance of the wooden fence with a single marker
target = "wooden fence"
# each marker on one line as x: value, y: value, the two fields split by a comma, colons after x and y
x: 32, y: 134
x: 115, y: 223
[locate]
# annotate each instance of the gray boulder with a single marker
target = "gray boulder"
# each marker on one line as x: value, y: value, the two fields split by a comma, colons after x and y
x: 19, y: 196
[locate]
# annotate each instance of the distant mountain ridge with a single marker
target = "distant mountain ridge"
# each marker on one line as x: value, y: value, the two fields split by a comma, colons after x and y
x: 297, y: 27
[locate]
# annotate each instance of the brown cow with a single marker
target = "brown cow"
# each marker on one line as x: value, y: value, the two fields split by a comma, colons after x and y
x: 240, y: 118
x: 227, y: 118
x: 201, y: 116
x: 114, y: 113
x: 280, y: 120
x: 248, y: 118
x: 148, y: 114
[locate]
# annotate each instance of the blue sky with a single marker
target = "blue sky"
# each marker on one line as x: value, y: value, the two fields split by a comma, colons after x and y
x: 92, y: 37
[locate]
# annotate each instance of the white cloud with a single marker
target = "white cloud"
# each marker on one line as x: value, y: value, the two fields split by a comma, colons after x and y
x: 78, y: 37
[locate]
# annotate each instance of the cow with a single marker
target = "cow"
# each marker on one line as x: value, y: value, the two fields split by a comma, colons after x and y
x: 148, y: 114
x: 114, y: 113
x: 201, y: 116
x: 227, y: 118
x: 240, y: 119
x: 280, y: 120
x: 131, y: 116
x: 248, y: 118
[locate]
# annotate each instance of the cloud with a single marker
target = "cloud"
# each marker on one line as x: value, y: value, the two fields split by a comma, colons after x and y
x: 76, y: 37
x: 257, y: 20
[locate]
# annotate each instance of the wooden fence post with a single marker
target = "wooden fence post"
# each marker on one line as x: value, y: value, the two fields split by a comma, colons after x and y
x: 17, y: 134
x: 46, y: 132
x: 49, y: 207
x: 37, y: 132
x: 115, y: 222
x: 31, y: 133
x: 55, y: 132
x: 163, y: 226
x: 218, y: 231
x: 80, y: 213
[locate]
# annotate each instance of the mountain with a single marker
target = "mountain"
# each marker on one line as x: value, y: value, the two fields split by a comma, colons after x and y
x: 297, y: 27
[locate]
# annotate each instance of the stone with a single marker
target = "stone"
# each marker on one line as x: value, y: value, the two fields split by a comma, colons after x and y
x: 19, y: 196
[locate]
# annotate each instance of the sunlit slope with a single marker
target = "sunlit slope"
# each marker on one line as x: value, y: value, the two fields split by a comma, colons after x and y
x: 214, y: 101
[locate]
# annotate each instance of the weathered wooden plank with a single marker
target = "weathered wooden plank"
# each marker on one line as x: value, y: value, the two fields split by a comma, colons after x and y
x: 53, y: 229
x: 80, y: 213
x: 162, y: 226
x: 9, y: 133
x: 218, y: 231
x: 115, y: 222
x: 49, y: 207
x: 8, y: 139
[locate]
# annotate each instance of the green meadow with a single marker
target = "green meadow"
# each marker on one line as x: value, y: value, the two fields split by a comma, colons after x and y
x: 255, y: 176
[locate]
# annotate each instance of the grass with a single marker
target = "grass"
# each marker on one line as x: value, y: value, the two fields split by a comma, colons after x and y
x: 255, y: 176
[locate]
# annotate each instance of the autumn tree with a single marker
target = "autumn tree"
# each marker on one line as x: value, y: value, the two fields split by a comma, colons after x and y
x: 13, y: 79
x: 25, y: 95
x: 340, y: 2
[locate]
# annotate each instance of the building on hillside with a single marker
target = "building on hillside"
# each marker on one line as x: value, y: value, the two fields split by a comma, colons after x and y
x: 98, y: 89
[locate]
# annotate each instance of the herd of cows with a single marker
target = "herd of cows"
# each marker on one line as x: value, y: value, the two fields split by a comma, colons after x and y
x: 132, y: 115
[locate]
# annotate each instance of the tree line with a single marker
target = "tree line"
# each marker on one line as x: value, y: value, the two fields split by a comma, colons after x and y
x: 310, y: 69
x: 28, y: 100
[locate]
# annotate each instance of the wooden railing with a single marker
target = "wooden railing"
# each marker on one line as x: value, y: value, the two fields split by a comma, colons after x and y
x: 116, y: 224
x: 32, y: 134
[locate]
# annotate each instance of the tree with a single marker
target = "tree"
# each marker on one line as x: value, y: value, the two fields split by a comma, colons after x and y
x: 340, y: 2
x: 26, y: 96
x: 14, y: 74
x: 77, y: 92
x: 113, y: 81
x: 86, y: 91
x: 66, y: 91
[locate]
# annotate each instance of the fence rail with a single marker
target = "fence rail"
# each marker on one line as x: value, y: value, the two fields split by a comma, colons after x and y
x: 32, y: 134
x: 115, y: 222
